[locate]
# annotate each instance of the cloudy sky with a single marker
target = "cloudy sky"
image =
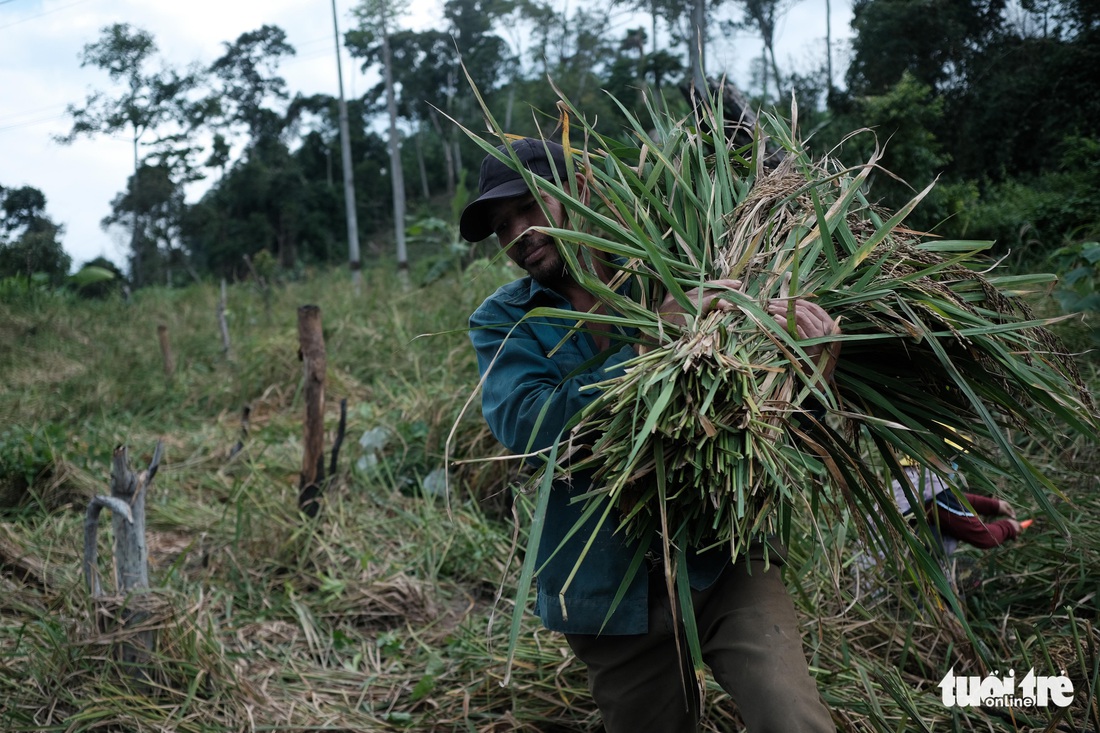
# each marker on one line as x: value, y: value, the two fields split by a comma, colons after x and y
x: 41, y: 42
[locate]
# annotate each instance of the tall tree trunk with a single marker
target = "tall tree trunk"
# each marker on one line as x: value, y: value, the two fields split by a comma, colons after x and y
x: 427, y: 194
x: 765, y: 72
x: 653, y: 22
x: 697, y: 50
x: 456, y: 156
x: 828, y: 52
x: 509, y: 104
x: 448, y: 156
x: 138, y: 274
x: 349, y: 178
x: 397, y: 177
x: 775, y: 71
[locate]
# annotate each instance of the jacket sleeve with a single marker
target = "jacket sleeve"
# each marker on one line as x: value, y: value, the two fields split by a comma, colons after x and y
x: 987, y: 506
x: 973, y: 530
x: 527, y: 396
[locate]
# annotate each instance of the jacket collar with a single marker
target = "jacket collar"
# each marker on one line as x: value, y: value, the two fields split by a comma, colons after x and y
x: 526, y: 291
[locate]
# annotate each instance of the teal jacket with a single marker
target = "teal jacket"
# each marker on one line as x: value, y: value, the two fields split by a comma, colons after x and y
x: 524, y: 382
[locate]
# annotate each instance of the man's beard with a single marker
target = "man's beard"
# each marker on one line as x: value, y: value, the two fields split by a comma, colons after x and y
x: 548, y: 268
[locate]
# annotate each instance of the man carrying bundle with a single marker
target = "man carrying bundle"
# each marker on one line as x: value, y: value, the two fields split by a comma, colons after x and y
x: 533, y: 371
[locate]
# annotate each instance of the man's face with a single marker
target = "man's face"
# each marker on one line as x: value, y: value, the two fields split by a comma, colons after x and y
x: 533, y: 251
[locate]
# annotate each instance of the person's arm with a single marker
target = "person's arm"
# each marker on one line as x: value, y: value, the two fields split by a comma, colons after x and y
x: 971, y: 529
x: 987, y: 506
x: 523, y: 383
x: 990, y: 507
x: 983, y: 535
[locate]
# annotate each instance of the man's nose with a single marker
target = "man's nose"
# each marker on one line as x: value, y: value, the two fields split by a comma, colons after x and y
x: 514, y: 235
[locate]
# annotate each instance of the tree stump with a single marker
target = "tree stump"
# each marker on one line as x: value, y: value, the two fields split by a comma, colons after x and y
x: 127, y: 505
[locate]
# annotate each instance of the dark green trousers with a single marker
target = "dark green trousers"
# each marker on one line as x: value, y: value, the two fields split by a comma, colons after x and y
x: 748, y: 629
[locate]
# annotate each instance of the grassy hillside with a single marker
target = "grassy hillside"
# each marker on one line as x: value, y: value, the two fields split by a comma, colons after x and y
x: 383, y: 613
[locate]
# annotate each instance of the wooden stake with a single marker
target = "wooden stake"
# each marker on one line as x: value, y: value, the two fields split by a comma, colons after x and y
x: 223, y: 326
x: 311, y: 350
x: 166, y: 350
x: 245, y: 413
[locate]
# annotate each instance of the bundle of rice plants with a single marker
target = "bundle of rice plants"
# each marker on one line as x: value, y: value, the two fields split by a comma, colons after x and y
x: 724, y: 429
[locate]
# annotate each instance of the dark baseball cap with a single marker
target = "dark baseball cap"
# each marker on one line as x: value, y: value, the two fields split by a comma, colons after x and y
x: 498, y: 181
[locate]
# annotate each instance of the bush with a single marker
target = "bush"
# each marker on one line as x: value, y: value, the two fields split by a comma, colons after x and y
x: 1078, y: 288
x: 27, y: 456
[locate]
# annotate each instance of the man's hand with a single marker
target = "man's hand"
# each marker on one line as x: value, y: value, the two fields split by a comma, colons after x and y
x: 1005, y: 509
x: 810, y: 321
x: 708, y: 297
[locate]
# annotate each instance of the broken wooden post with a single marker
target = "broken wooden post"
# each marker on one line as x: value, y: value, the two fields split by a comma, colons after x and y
x: 223, y: 325
x: 131, y: 553
x: 239, y: 445
x: 166, y: 350
x: 311, y: 350
x: 131, y: 556
x: 91, y: 531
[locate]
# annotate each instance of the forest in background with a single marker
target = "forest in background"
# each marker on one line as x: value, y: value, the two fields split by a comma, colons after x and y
x: 994, y: 99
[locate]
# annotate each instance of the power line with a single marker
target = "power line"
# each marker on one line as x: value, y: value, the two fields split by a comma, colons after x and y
x: 48, y: 12
x: 8, y: 119
x: 31, y: 123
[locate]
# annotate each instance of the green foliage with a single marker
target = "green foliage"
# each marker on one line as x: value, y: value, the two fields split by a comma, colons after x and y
x: 146, y: 100
x: 1001, y: 128
x: 959, y: 90
x: 248, y: 81
x: 1078, y: 288
x: 27, y: 455
x: 932, y: 41
x: 99, y: 278
x: 1079, y: 285
x: 903, y: 120
x: 1010, y: 121
x: 1030, y: 218
x: 150, y: 211
x: 289, y: 202
x: 36, y: 254
x: 29, y: 240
